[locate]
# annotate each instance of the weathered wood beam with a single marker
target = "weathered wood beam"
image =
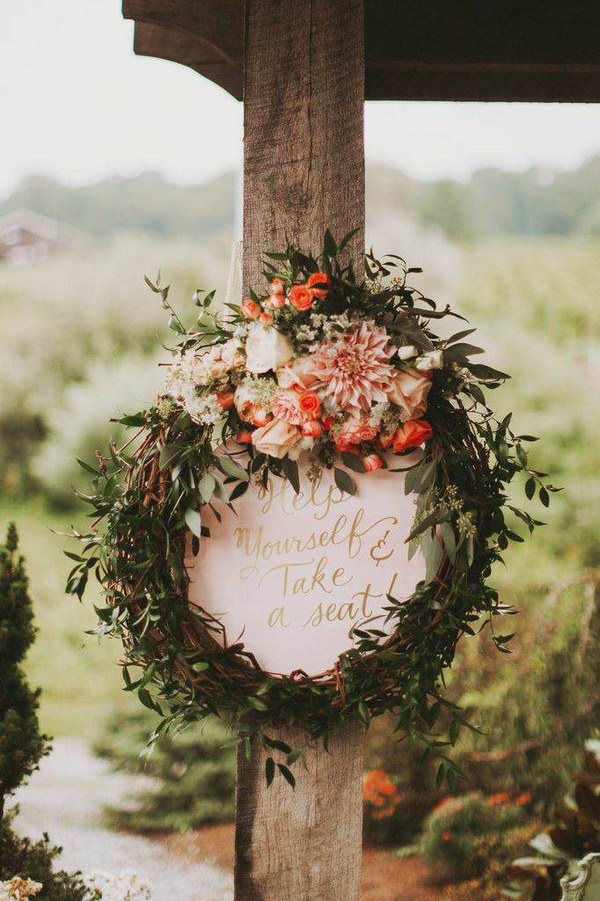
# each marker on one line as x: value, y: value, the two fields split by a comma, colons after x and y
x: 188, y: 49
x: 543, y: 50
x: 303, y: 173
x: 303, y: 125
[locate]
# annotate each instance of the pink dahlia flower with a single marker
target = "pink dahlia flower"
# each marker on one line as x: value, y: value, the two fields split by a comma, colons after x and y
x: 354, y: 371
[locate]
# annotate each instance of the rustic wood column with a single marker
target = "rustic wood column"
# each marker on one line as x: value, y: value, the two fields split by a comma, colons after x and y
x: 303, y: 173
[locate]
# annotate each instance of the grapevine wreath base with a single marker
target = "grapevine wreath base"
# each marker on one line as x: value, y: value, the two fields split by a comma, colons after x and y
x: 347, y: 373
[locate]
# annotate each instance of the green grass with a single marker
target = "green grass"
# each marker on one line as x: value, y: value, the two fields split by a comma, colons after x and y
x: 80, y: 679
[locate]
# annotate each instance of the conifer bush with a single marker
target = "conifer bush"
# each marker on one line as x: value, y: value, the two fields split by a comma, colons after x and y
x: 193, y: 774
x: 21, y: 744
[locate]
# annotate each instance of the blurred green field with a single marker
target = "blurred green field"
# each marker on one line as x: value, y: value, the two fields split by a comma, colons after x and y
x: 80, y: 338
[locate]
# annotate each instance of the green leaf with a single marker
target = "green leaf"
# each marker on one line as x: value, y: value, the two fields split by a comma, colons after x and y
x: 481, y: 371
x: 206, y: 487
x: 287, y: 774
x: 343, y: 481
x: 329, y: 245
x: 231, y: 468
x: 353, y: 461
x: 290, y: 468
x: 544, y: 497
x: 269, y: 770
x: 193, y: 521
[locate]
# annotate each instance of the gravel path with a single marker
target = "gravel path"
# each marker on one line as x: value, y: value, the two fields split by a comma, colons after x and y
x: 65, y: 799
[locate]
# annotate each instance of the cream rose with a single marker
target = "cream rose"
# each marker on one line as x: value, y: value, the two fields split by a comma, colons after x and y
x: 279, y: 439
x: 266, y: 349
x: 409, y: 392
x: 433, y: 359
x: 296, y: 374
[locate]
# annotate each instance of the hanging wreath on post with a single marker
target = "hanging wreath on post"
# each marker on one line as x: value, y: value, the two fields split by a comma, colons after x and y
x: 326, y: 375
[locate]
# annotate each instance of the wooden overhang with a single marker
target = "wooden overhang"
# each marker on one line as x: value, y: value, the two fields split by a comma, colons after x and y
x: 509, y: 50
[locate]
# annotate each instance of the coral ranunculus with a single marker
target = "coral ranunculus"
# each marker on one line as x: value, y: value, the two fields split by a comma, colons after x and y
x: 316, y: 279
x: 412, y: 434
x: 309, y: 403
x: 250, y: 309
x: 301, y: 297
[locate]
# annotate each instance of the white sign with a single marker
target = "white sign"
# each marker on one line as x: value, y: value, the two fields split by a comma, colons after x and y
x: 291, y: 575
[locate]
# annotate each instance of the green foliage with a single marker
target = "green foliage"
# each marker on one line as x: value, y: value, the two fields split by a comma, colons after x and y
x: 463, y: 833
x: 80, y: 425
x: 21, y: 745
x: 193, y: 774
x: 576, y: 833
x: 35, y: 860
x: 534, y: 711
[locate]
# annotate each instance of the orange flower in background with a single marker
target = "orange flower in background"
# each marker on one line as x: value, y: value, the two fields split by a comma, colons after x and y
x: 523, y: 799
x: 412, y: 434
x: 319, y: 278
x: 250, y: 309
x: 301, y: 297
x: 497, y: 799
x: 380, y: 792
x: 446, y: 836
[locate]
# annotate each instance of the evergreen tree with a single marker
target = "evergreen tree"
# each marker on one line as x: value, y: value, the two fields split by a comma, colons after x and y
x: 21, y: 745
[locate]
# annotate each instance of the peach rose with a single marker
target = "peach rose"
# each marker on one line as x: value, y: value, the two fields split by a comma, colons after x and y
x: 277, y: 439
x: 277, y: 286
x: 372, y: 462
x: 266, y: 318
x: 409, y: 391
x: 411, y: 434
x: 353, y: 431
x: 244, y: 437
x: 275, y: 301
x: 312, y: 429
x: 295, y: 374
x: 301, y: 297
x: 250, y: 308
x: 319, y: 278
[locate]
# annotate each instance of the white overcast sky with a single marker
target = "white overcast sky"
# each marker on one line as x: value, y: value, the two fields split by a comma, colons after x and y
x: 76, y: 104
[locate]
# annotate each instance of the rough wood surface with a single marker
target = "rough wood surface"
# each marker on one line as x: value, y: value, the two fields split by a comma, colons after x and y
x: 303, y: 125
x: 542, y: 50
x: 302, y: 845
x: 303, y: 173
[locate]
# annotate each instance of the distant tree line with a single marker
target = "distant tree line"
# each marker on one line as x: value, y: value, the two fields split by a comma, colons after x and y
x: 491, y: 202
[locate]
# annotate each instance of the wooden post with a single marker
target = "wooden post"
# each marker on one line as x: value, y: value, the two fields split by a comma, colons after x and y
x: 303, y: 173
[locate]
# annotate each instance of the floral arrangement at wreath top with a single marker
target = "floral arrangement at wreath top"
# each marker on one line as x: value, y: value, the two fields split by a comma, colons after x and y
x: 308, y: 368
x: 350, y: 373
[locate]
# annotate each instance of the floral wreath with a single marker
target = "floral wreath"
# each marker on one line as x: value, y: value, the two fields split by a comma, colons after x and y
x: 348, y: 372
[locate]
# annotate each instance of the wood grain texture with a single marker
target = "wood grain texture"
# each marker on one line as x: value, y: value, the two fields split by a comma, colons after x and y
x: 303, y: 125
x: 302, y: 845
x: 303, y: 173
